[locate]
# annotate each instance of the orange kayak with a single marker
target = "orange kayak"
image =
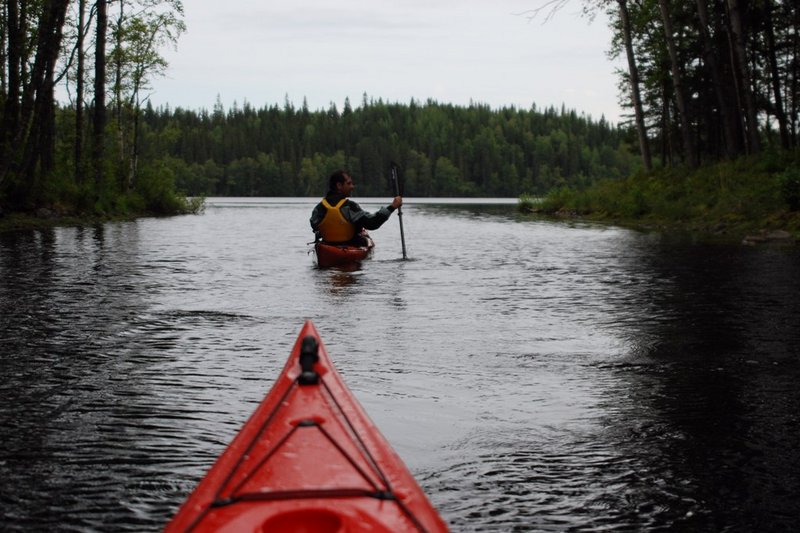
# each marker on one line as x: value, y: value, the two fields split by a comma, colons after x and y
x: 329, y: 255
x: 309, y: 459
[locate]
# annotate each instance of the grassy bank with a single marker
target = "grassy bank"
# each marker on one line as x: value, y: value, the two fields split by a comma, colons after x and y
x: 732, y: 199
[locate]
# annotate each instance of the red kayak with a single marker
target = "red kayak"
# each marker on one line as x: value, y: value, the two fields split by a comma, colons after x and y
x: 329, y: 255
x: 308, y: 460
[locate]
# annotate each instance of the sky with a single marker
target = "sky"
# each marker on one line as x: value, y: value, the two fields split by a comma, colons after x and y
x: 453, y: 51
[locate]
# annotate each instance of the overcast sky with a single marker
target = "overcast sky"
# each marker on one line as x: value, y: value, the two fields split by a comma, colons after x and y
x: 453, y: 51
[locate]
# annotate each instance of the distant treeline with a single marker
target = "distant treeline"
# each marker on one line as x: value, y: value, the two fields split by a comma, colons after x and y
x: 442, y: 150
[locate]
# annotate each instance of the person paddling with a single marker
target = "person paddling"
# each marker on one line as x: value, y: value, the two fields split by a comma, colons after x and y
x: 339, y: 220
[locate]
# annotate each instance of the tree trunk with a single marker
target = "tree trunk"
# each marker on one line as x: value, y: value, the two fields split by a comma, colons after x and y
x: 677, y: 82
x: 99, y: 123
x: 667, y: 149
x: 644, y: 144
x: 775, y: 78
x: 795, y: 76
x: 739, y: 53
x: 35, y: 137
x: 3, y: 45
x: 118, y: 38
x: 729, y: 129
x: 134, y: 164
x: 79, y: 93
x: 16, y: 39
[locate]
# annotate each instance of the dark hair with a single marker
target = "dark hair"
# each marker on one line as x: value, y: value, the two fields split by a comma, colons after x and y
x: 336, y: 177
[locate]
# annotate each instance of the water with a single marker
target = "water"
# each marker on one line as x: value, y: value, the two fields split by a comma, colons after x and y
x: 534, y: 375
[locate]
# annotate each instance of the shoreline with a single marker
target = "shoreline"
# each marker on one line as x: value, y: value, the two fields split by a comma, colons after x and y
x: 781, y: 228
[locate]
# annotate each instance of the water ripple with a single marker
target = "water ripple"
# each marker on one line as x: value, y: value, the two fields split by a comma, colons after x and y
x: 534, y: 376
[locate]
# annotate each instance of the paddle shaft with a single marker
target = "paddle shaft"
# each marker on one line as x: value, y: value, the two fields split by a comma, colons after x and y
x: 399, y: 210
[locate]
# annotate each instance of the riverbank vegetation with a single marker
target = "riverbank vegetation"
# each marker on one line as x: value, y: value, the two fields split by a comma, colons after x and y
x: 714, y: 90
x: 733, y: 198
x: 82, y: 160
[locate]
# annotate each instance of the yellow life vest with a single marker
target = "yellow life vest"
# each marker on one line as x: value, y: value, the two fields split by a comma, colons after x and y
x: 334, y: 227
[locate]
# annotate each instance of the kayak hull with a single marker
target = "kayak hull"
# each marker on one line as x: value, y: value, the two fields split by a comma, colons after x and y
x: 331, y: 255
x: 308, y: 459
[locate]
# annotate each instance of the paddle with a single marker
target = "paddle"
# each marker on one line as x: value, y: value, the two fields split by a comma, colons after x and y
x: 399, y: 209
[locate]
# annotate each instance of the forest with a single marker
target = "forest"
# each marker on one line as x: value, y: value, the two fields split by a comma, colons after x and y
x: 713, y: 90
x: 707, y: 81
x: 74, y: 77
x: 442, y: 150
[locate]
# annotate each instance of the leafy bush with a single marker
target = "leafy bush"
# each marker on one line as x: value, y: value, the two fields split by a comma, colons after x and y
x: 527, y: 203
x: 749, y: 192
x: 789, y: 184
x: 156, y: 188
x: 557, y: 200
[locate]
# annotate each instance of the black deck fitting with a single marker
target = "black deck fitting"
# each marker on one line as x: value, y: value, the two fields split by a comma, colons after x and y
x: 309, y: 355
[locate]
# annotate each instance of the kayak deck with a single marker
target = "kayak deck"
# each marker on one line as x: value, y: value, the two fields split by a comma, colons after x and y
x: 308, y: 459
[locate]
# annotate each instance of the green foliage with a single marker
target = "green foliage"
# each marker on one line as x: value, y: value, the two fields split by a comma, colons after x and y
x: 443, y: 150
x: 733, y: 109
x: 743, y: 192
x: 558, y: 199
x: 41, y: 140
x: 156, y: 192
x: 789, y: 183
x: 528, y: 203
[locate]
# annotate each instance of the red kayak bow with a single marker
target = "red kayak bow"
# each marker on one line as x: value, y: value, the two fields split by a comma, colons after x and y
x: 308, y: 460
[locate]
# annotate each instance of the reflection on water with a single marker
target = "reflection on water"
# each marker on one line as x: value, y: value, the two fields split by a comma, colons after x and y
x: 535, y: 376
x: 339, y: 280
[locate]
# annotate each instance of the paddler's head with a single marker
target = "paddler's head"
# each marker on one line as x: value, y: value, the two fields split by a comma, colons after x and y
x: 341, y: 183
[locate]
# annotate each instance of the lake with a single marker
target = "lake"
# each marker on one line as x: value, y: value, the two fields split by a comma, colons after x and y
x: 534, y: 375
